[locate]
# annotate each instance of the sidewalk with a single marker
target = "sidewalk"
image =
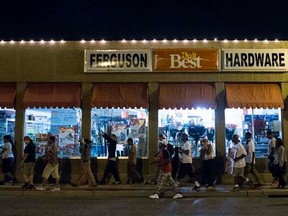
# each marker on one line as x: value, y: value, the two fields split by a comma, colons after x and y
x: 143, y: 191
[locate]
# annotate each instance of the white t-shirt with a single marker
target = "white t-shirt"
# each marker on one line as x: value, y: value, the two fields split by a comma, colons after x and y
x: 250, y: 148
x: 186, y: 158
x: 8, y: 152
x: 272, y: 143
x: 240, y: 151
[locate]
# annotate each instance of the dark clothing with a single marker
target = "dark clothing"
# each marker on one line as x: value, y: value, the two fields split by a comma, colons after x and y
x: 207, y: 176
x: 279, y: 173
x: 175, y: 165
x: 132, y: 173
x: 271, y: 166
x: 186, y: 169
x: 7, y: 165
x: 85, y: 150
x: 110, y: 168
x: 111, y: 146
x: 30, y: 150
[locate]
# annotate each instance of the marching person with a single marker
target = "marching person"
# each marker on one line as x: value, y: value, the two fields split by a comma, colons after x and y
x: 250, y: 159
x: 111, y: 166
x: 28, y: 162
x: 280, y: 160
x: 165, y: 176
x: 86, y: 173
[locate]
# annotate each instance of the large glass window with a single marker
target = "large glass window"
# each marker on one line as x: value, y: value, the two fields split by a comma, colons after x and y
x: 64, y: 124
x: 258, y: 121
x: 195, y: 122
x: 124, y: 123
x: 7, y: 124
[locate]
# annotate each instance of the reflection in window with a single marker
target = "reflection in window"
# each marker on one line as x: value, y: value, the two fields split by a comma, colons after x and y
x: 124, y: 123
x: 7, y: 124
x: 64, y: 124
x: 258, y: 121
x: 195, y: 122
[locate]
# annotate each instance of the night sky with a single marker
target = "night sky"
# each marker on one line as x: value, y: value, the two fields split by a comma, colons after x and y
x: 136, y: 19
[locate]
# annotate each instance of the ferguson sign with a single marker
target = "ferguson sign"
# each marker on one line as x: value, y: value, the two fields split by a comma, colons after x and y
x: 117, y: 60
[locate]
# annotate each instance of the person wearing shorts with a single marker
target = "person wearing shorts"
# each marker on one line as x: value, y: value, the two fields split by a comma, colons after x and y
x: 27, y: 164
x: 52, y: 165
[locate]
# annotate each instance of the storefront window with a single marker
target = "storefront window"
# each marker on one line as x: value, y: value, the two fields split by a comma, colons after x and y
x: 64, y: 124
x: 197, y: 123
x: 124, y: 123
x: 258, y: 121
x: 7, y: 124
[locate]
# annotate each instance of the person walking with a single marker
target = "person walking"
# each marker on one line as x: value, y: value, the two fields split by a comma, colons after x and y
x: 27, y: 163
x: 250, y: 159
x: 7, y: 159
x: 280, y: 160
x: 111, y: 166
x: 132, y: 174
x: 86, y: 173
x: 186, y: 162
x: 52, y: 165
x: 207, y: 165
x: 165, y: 176
x: 271, y: 154
x: 239, y: 163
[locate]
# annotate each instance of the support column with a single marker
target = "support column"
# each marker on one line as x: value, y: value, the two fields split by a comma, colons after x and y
x: 86, y: 110
x: 153, y: 123
x: 284, y: 88
x: 220, y: 131
x: 19, y: 126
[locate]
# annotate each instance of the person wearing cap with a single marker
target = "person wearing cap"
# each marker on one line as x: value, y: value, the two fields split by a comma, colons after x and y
x: 239, y: 163
x: 27, y: 163
x: 86, y: 173
x: 207, y: 165
x: 186, y: 162
x: 250, y: 159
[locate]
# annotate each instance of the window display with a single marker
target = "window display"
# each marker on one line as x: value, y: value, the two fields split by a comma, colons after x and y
x: 64, y: 124
x: 7, y: 124
x: 257, y: 121
x: 124, y: 123
x: 197, y: 123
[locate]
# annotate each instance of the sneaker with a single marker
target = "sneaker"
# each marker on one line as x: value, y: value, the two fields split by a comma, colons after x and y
x: 55, y: 189
x: 41, y: 188
x: 117, y: 182
x: 154, y: 196
x: 210, y: 188
x: 25, y: 186
x: 235, y: 189
x: 178, y: 196
x: 30, y: 186
x: 196, y: 187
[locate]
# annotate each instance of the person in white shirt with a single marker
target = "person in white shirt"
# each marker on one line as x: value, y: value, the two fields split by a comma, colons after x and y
x: 7, y: 159
x: 250, y: 159
x: 280, y: 162
x: 271, y: 146
x: 239, y: 163
x: 186, y: 162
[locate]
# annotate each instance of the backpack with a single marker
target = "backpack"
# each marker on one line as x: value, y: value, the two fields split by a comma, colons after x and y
x: 170, y: 149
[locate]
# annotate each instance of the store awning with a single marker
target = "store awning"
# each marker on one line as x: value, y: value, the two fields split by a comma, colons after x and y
x: 7, y: 94
x: 120, y: 95
x: 254, y: 95
x: 53, y: 95
x: 186, y: 95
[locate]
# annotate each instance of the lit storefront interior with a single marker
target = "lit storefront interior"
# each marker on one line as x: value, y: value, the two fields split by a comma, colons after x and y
x: 187, y: 108
x: 125, y: 115
x: 257, y: 109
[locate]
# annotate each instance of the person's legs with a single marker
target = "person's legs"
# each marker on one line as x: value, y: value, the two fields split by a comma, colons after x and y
x: 256, y: 175
x: 115, y: 172
x: 210, y: 172
x: 83, y: 175
x: 160, y: 182
x: 90, y: 176
x: 106, y: 172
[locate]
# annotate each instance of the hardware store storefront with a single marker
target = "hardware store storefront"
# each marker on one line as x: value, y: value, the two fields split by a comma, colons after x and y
x: 139, y: 89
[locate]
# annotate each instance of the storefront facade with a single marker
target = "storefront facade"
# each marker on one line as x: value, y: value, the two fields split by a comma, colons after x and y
x: 139, y: 89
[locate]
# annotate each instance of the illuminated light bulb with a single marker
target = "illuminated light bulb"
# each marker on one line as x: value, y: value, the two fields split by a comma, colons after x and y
x: 32, y: 41
x: 255, y: 40
x: 82, y: 41
x: 276, y: 40
x: 225, y: 41
x: 215, y: 39
x: 235, y: 41
x: 246, y: 40
x: 154, y: 40
x: 194, y: 40
x: 175, y: 41
x: 144, y: 41
x: 102, y: 41
x: 185, y: 41
x: 62, y: 41
x: 2, y: 42
x: 123, y: 41
x: 164, y: 41
x: 205, y: 41
x: 12, y: 42
x: 92, y: 41
x: 42, y: 42
x: 52, y: 42
x: 266, y: 41
x: 22, y: 42
x: 133, y: 41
